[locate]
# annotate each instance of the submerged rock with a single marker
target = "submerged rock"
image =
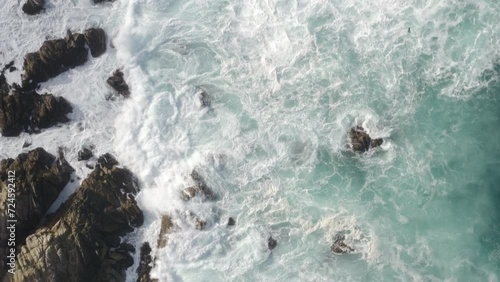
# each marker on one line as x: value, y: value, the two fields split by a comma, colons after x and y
x: 361, y: 141
x: 81, y: 241
x: 33, y: 7
x: 117, y: 82
x: 271, y: 243
x: 200, y: 187
x: 339, y: 247
x: 38, y: 178
x: 96, y: 40
x: 29, y: 111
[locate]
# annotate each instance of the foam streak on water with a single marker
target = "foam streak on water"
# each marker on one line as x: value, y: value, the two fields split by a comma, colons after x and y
x: 287, y: 79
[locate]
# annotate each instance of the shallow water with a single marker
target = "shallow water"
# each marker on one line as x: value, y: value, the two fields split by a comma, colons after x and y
x: 287, y: 80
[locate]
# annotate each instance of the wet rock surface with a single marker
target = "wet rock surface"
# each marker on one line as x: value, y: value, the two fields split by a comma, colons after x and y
x: 166, y: 224
x: 231, y: 222
x: 33, y: 7
x: 145, y: 264
x: 339, y: 247
x: 271, y: 243
x: 39, y: 177
x: 361, y: 141
x: 117, y: 82
x: 81, y: 241
x: 96, y: 40
x: 29, y: 111
x: 85, y: 154
x: 58, y: 55
x: 200, y: 188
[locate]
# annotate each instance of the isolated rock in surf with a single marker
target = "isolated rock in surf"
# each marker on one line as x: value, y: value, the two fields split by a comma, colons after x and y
x: 39, y: 178
x: 361, y: 141
x: 200, y: 188
x: 33, y: 7
x: 81, y: 241
x: 117, y: 82
x: 339, y: 247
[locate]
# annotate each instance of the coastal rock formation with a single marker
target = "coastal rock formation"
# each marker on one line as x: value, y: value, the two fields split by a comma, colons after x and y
x: 4, y: 86
x: 117, y: 82
x: 96, y: 40
x: 58, y: 55
x: 81, y: 241
x: 271, y: 243
x: 85, y: 154
x: 231, y: 222
x: 33, y: 7
x: 361, y: 141
x: 145, y: 264
x: 166, y: 224
x: 102, y: 1
x: 200, y: 187
x: 339, y: 247
x: 29, y: 111
x: 37, y: 181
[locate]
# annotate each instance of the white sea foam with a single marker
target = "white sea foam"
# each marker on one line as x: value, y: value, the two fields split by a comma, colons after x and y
x: 286, y: 80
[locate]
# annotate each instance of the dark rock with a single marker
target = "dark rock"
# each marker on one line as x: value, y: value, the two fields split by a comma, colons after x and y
x: 26, y: 144
x: 231, y: 222
x: 271, y: 243
x: 166, y: 224
x: 78, y: 242
x: 29, y: 111
x: 200, y: 187
x: 145, y: 264
x: 53, y: 58
x: 361, y: 141
x: 200, y: 224
x: 85, y: 154
x: 4, y: 86
x: 339, y: 247
x: 39, y: 178
x: 33, y: 7
x: 117, y: 82
x: 96, y: 40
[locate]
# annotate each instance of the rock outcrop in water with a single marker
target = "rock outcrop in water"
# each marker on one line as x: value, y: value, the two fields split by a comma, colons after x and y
x: 117, y: 82
x: 361, y: 141
x: 200, y: 188
x: 39, y: 178
x: 33, y: 7
x: 339, y: 247
x: 166, y: 224
x: 58, y: 55
x: 271, y: 243
x: 29, y: 111
x: 81, y: 241
x: 96, y: 40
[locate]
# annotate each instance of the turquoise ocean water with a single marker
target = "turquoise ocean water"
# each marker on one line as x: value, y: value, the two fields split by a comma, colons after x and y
x: 287, y: 79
